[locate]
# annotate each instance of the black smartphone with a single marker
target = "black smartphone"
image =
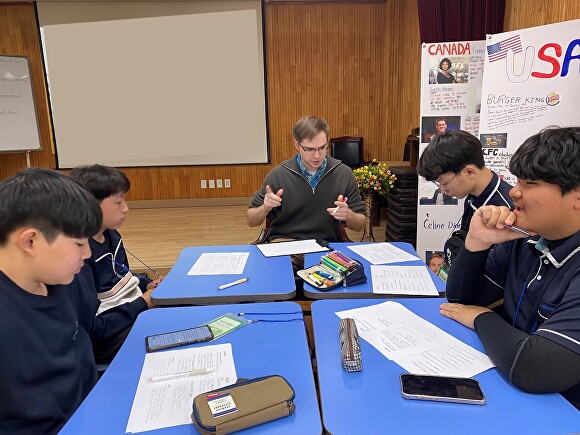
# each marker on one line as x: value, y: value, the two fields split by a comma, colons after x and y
x: 442, y: 389
x: 178, y: 338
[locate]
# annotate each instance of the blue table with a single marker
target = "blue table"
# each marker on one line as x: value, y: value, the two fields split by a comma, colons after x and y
x: 370, y: 401
x: 259, y: 349
x: 362, y: 290
x: 270, y: 279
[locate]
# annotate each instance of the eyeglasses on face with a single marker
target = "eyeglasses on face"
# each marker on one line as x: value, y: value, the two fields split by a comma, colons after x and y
x: 445, y: 183
x: 312, y: 151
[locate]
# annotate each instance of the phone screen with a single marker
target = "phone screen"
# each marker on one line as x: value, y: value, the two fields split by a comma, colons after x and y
x: 441, y: 388
x: 178, y: 338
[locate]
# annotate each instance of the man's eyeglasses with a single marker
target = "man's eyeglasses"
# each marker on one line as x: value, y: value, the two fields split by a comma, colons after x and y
x: 311, y: 151
x: 446, y: 183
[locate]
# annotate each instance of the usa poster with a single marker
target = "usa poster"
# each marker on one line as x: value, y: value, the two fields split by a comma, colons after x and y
x: 532, y: 80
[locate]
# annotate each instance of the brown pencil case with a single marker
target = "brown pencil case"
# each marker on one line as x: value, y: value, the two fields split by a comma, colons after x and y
x: 243, y: 405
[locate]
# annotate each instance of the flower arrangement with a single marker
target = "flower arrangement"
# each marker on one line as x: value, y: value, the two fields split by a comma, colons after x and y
x: 374, y: 178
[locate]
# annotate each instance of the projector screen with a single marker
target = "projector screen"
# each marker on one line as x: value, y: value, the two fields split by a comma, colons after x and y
x: 156, y: 83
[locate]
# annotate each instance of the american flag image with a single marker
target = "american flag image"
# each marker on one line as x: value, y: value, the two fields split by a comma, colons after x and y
x: 499, y: 50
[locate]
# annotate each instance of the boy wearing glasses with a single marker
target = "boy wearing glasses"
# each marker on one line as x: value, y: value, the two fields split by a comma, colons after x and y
x: 535, y: 343
x: 454, y: 162
x: 308, y: 195
x: 47, y: 365
x: 121, y: 294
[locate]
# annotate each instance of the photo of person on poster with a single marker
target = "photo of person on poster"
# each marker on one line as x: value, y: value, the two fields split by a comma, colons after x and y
x: 432, y: 126
x: 434, y: 260
x: 441, y: 198
x: 444, y: 75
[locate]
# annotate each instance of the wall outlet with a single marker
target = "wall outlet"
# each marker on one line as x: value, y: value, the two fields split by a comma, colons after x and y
x: 212, y: 184
x: 227, y: 184
x: 220, y: 183
x: 204, y: 184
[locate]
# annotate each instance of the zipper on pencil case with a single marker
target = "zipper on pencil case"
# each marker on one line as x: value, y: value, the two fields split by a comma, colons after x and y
x: 349, y: 340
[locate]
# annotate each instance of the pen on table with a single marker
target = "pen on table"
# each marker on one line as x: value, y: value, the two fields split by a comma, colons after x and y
x: 511, y: 227
x: 336, y: 209
x: 229, y: 284
x: 177, y: 375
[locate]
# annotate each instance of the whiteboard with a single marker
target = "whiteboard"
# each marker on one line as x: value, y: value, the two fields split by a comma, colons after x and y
x: 156, y: 83
x: 18, y: 123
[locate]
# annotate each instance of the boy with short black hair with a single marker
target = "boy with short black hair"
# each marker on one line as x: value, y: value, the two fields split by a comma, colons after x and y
x: 454, y: 162
x: 122, y: 294
x: 47, y: 366
x: 536, y: 344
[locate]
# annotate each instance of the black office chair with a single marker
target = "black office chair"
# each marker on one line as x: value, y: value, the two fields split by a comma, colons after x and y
x: 348, y: 149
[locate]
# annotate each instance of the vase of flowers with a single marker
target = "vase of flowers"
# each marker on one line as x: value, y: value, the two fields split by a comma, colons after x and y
x: 373, y: 179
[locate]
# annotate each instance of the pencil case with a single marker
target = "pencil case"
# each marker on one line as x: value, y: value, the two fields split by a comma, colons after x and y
x: 242, y: 405
x: 329, y: 274
x: 350, y: 352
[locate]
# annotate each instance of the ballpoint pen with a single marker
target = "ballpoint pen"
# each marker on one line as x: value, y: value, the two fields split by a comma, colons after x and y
x: 177, y: 375
x: 229, y: 284
x: 511, y: 227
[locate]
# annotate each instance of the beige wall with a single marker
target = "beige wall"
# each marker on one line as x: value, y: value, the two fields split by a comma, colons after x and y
x: 355, y: 64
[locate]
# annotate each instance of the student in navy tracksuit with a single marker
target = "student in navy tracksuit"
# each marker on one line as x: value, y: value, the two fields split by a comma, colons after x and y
x: 454, y: 162
x: 46, y: 361
x: 535, y: 343
x: 120, y: 295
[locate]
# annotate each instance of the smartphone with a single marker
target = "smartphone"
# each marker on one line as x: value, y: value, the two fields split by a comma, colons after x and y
x: 442, y: 389
x: 178, y: 338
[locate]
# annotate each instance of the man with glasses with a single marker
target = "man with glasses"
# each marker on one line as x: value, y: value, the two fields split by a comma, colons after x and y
x: 308, y: 195
x: 454, y: 162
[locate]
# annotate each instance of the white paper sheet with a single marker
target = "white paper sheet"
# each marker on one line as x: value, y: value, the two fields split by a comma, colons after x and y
x: 168, y: 403
x: 415, y: 344
x: 382, y: 253
x: 402, y: 280
x: 290, y: 248
x: 220, y: 263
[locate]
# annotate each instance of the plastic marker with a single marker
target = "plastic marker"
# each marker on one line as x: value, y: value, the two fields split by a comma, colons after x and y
x: 229, y: 284
x: 336, y: 209
x: 177, y: 375
x: 315, y: 279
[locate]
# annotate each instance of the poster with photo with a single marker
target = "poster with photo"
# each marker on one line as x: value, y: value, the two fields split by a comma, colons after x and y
x: 532, y: 80
x: 451, y: 80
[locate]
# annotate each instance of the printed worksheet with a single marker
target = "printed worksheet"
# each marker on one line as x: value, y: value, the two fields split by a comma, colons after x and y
x: 170, y: 380
x: 382, y: 253
x: 414, y: 343
x: 220, y: 263
x: 402, y: 280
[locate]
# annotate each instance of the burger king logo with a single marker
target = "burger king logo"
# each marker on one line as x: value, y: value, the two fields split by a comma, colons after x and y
x: 552, y: 98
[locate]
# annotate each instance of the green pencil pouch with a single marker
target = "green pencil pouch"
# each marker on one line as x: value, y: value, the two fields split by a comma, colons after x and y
x: 243, y: 405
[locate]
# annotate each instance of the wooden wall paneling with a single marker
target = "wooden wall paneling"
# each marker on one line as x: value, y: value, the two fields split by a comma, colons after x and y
x: 402, y: 90
x: 19, y: 36
x: 521, y: 14
x: 325, y: 59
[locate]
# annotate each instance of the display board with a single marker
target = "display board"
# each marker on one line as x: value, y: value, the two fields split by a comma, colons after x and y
x: 156, y: 83
x: 18, y: 122
x: 532, y: 81
x: 449, y: 93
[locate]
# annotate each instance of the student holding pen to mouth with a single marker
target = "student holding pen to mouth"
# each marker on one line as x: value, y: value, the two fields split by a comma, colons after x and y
x: 535, y: 340
x: 308, y: 195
